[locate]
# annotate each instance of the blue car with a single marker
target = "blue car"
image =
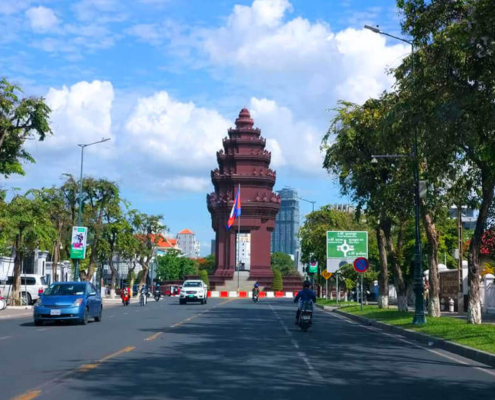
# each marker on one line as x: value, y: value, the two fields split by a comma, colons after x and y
x: 69, y: 301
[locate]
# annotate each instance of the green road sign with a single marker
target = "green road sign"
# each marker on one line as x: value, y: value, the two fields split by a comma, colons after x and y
x: 347, y: 244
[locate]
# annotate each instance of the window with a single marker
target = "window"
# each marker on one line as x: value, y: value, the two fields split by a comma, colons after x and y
x: 192, y: 284
x: 24, y: 281
x: 66, y: 290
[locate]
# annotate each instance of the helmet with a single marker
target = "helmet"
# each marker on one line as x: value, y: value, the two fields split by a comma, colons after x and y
x: 306, y: 285
x: 256, y: 284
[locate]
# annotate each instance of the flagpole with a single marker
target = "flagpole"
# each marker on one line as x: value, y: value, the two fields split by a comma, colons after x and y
x: 238, y: 242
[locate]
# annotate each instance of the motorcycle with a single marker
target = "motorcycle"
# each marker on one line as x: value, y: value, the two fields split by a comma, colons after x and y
x: 157, y: 295
x: 125, y: 299
x: 306, y: 316
x: 256, y: 296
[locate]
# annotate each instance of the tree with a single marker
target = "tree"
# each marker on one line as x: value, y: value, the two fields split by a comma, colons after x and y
x: 207, y: 263
x: 20, y: 120
x: 278, y: 283
x: 25, y: 223
x: 148, y: 230
x: 455, y: 96
x: 313, y: 233
x: 383, y: 191
x: 173, y: 266
x: 283, y: 262
x: 204, y: 277
x: 60, y: 218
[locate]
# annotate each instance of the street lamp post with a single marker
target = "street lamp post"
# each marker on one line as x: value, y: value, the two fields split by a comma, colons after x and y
x: 82, y: 146
x: 419, y: 312
x: 308, y: 201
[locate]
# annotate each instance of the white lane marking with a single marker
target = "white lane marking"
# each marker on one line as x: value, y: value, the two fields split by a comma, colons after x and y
x: 111, y: 316
x: 126, y: 313
x: 5, y: 337
x: 312, y: 372
x: 438, y: 353
x: 41, y: 330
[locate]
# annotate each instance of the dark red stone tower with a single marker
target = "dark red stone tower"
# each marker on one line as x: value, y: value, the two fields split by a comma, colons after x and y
x: 244, y: 161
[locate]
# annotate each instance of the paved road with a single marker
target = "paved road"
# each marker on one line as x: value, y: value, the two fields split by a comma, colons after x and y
x: 228, y: 349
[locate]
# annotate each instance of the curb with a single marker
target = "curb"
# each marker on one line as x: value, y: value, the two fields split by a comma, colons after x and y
x: 19, y: 308
x: 427, y: 340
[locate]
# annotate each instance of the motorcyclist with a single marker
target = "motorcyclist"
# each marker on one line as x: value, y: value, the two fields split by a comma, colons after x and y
x: 256, y: 290
x: 144, y: 293
x: 157, y: 290
x: 125, y: 294
x: 304, y: 295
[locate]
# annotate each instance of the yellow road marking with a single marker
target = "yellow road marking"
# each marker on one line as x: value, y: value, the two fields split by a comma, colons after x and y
x: 87, y: 367
x: 117, y: 353
x: 153, y: 337
x: 32, y: 394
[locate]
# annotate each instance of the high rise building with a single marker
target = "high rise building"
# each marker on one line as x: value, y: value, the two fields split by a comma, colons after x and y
x: 186, y: 240
x: 284, y: 237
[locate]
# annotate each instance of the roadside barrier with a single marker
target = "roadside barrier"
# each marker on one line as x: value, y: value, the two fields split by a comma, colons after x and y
x: 244, y: 295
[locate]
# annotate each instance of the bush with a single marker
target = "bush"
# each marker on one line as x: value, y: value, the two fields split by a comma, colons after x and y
x: 278, y: 283
x: 203, y: 274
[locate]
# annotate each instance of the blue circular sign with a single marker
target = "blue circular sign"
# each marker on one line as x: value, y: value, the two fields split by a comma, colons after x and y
x: 361, y: 264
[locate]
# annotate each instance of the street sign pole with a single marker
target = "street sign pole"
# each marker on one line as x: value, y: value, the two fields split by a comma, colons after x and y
x: 362, y: 292
x: 337, y: 280
x: 326, y: 289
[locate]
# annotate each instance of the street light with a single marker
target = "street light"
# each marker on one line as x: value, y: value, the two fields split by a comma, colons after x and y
x: 419, y: 312
x: 83, y: 146
x: 308, y: 201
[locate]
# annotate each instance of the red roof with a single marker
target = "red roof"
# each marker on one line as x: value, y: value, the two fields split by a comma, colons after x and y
x: 162, y: 242
x: 186, y: 232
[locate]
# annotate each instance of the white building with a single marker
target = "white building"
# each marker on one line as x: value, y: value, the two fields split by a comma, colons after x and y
x: 244, y: 251
x: 187, y: 243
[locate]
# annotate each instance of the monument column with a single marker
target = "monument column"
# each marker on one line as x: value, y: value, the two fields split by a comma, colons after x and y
x: 244, y: 161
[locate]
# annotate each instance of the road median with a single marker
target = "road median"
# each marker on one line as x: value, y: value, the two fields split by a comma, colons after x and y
x: 476, y: 342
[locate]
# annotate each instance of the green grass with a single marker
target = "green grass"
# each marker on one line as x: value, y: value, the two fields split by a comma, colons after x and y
x: 481, y: 337
x: 325, y: 302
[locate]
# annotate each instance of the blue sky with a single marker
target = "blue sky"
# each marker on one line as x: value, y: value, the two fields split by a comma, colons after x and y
x: 166, y: 78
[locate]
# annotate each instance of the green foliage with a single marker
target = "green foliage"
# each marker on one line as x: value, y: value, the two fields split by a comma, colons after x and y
x: 207, y: 263
x: 20, y: 120
x: 173, y: 266
x: 204, y: 277
x: 283, y: 262
x: 278, y: 283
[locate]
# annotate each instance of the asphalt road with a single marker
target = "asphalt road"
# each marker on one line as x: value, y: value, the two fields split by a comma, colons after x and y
x: 228, y: 349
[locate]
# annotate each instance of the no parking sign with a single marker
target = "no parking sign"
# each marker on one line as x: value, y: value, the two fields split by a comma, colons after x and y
x: 361, y: 264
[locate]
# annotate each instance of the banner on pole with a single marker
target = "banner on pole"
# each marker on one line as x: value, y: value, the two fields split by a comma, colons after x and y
x: 78, y: 242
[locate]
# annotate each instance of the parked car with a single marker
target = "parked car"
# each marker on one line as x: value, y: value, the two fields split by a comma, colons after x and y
x: 193, y: 290
x: 31, y: 287
x: 70, y: 301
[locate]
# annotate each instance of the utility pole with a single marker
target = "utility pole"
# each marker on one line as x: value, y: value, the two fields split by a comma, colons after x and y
x: 82, y: 146
x: 419, y: 312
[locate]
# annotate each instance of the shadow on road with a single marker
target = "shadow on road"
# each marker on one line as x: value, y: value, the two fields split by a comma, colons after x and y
x: 241, y: 351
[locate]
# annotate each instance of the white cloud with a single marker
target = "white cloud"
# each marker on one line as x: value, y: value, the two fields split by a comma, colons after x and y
x: 80, y: 114
x: 10, y: 7
x: 42, y: 19
x: 179, y: 135
x: 294, y: 143
x: 101, y: 11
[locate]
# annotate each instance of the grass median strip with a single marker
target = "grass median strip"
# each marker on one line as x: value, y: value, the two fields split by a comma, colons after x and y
x: 325, y: 302
x: 481, y: 337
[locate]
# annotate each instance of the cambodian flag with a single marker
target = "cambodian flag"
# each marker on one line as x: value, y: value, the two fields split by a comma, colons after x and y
x: 236, y: 209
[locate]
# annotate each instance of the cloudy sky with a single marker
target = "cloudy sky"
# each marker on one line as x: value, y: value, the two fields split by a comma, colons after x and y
x: 165, y: 79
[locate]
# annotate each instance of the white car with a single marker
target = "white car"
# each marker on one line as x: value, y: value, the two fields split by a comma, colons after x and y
x: 193, y: 290
x: 31, y: 287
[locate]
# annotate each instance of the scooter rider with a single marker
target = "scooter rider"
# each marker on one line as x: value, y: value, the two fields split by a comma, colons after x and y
x: 157, y: 291
x: 304, y: 295
x: 256, y: 290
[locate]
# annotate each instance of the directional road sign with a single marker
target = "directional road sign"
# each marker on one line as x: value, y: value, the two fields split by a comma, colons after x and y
x: 361, y: 265
x: 347, y: 244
